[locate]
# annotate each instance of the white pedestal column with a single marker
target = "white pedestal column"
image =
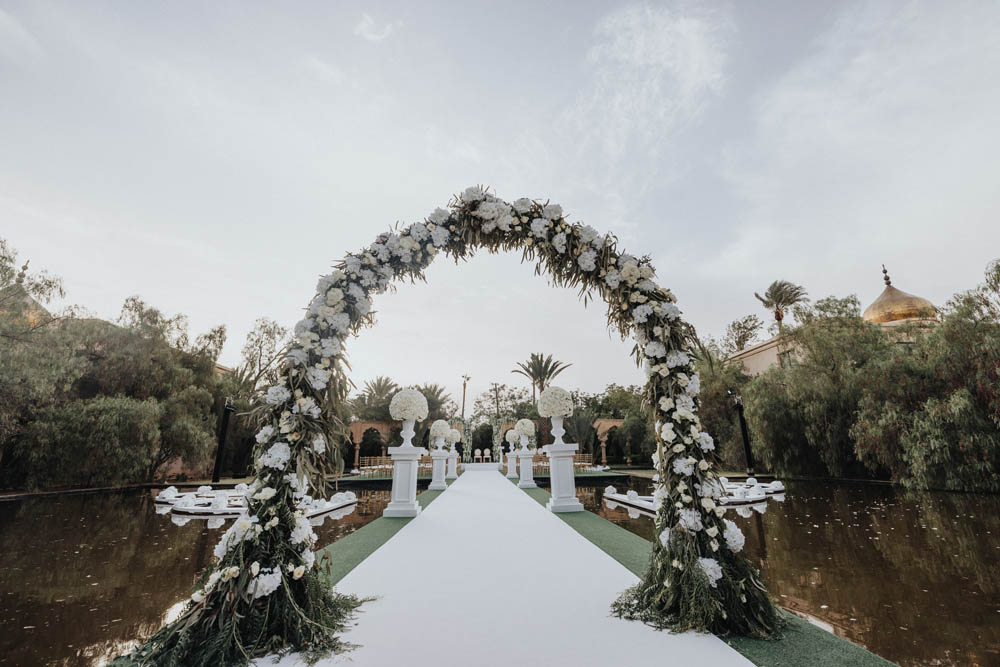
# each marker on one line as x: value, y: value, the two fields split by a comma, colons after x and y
x: 512, y: 463
x: 440, y: 459
x: 404, y: 476
x: 563, y: 479
x: 527, y: 481
x: 452, y: 464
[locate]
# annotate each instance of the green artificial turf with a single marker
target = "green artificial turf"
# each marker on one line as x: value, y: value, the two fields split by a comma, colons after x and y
x: 346, y: 553
x: 801, y: 643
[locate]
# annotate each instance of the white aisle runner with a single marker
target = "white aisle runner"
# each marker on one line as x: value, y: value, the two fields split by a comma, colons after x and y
x: 486, y: 576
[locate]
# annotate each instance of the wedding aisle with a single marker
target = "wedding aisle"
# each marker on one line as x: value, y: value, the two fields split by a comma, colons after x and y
x: 486, y: 576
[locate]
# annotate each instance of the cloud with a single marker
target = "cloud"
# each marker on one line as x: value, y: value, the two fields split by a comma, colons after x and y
x: 878, y: 141
x: 17, y: 44
x: 366, y: 28
x: 325, y: 71
x: 652, y: 70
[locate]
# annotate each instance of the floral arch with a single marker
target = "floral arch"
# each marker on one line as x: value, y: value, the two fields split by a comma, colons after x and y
x: 264, y: 593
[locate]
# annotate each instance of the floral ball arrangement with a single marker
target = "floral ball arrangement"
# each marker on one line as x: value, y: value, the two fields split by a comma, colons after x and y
x: 408, y: 404
x: 525, y: 427
x: 555, y: 402
x: 512, y: 436
x: 440, y: 429
x: 453, y: 436
x: 262, y: 594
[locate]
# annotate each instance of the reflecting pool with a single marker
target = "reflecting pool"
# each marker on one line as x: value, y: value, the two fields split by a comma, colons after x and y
x: 914, y: 578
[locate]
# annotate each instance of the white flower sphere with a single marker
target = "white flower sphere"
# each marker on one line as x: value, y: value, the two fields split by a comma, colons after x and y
x: 525, y: 427
x: 453, y: 436
x: 511, y: 436
x: 408, y: 404
x: 440, y: 429
x: 555, y: 402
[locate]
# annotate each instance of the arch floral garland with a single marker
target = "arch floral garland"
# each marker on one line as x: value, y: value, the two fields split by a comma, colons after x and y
x: 264, y: 594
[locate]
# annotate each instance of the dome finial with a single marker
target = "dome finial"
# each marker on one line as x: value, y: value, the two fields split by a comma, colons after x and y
x: 23, y: 273
x: 885, y: 276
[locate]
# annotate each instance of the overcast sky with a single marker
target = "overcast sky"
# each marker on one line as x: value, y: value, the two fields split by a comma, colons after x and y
x: 214, y: 158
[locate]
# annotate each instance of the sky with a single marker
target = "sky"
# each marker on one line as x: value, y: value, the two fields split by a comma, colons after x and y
x: 215, y: 158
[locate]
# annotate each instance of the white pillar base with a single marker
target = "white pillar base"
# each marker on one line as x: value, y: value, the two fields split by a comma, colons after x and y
x: 440, y: 458
x: 512, y: 464
x: 452, y: 465
x: 563, y: 479
x: 527, y: 480
x: 403, y: 502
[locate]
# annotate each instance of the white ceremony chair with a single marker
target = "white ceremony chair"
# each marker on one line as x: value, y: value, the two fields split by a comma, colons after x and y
x: 477, y: 456
x: 487, y: 455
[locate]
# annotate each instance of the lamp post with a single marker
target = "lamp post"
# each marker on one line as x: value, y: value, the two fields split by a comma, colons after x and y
x: 738, y: 400
x: 465, y: 382
x: 228, y: 410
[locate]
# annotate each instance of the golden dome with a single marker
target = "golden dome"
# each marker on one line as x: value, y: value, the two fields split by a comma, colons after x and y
x: 894, y: 305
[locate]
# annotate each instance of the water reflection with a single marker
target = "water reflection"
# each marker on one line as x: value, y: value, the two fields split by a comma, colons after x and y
x: 84, y: 577
x: 912, y: 577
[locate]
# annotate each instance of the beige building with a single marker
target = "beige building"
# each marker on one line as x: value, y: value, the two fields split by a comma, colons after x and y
x: 891, y: 309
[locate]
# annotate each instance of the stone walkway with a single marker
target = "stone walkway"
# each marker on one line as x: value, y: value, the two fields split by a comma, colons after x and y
x: 485, y: 576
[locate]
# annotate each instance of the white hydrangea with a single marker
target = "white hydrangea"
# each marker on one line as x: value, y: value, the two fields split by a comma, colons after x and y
x: 523, y: 205
x: 689, y: 520
x: 677, y: 358
x: 440, y: 428
x: 277, y: 456
x: 552, y: 211
x: 239, y: 531
x: 473, y: 193
x: 439, y: 216
x: 317, y: 377
x: 265, y: 434
x: 588, y: 234
x: 308, y: 558
x: 298, y: 356
x: 488, y: 210
x: 630, y: 272
x: 641, y: 313
x: 330, y: 347
x: 706, y: 442
x: 505, y: 220
x: 302, y: 531
x: 693, y: 387
x: 655, y: 349
x: 539, y: 227
x: 264, y: 583
x: 733, y: 536
x: 277, y: 395
x: 587, y: 260
x: 440, y: 236
x: 306, y: 406
x: 612, y: 279
x: 454, y: 435
x: 341, y: 323
x: 555, y: 402
x: 265, y: 494
x: 319, y: 444
x: 711, y: 569
x: 683, y: 467
x: 646, y: 285
x: 525, y: 427
x: 670, y: 311
x: 665, y: 538
x: 559, y: 242
x: 408, y: 404
x: 419, y: 231
x: 512, y: 436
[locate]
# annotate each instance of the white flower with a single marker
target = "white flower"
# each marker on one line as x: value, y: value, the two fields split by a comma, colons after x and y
x: 454, y: 435
x: 277, y: 394
x: 525, y: 427
x: 588, y: 234
x: 418, y: 231
x: 667, y: 433
x: 440, y: 429
x: 555, y: 402
x: 552, y: 211
x: 523, y: 205
x: 711, y: 569
x: 440, y: 236
x: 587, y: 260
x: 559, y: 242
x: 677, y: 358
x: 306, y: 406
x: 266, y: 583
x: 302, y: 532
x: 308, y: 558
x: 706, y: 442
x: 298, y: 356
x: 330, y: 347
x: 539, y: 227
x: 683, y: 467
x: 641, y: 313
x: 512, y: 436
x: 341, y: 322
x: 670, y: 311
x: 197, y: 596
x: 646, y: 285
x: 319, y: 444
x: 689, y: 520
x: 473, y: 194
x: 488, y: 210
x: 694, y: 386
x: 265, y: 494
x: 408, y: 404
x: 439, y: 216
x: 255, y: 568
x: 265, y: 434
x: 630, y: 272
x: 612, y: 279
x: 665, y: 538
x: 328, y: 281
x: 334, y: 296
x: 733, y: 536
x: 298, y: 572
x: 666, y: 403
x: 277, y: 456
x: 655, y: 349
x: 318, y: 377
x: 238, y: 532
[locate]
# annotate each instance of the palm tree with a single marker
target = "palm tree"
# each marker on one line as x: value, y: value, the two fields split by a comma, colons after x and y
x: 373, y: 401
x: 439, y: 403
x: 540, y: 370
x: 781, y: 296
